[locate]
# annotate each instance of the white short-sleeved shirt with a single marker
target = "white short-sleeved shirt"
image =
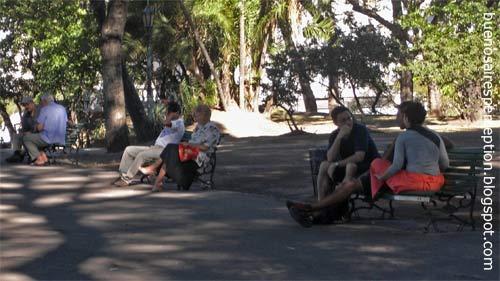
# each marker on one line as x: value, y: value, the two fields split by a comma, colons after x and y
x: 171, y: 134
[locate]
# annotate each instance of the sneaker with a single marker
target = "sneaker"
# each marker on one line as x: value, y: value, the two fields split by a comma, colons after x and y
x: 300, y: 217
x: 298, y: 205
x: 122, y: 181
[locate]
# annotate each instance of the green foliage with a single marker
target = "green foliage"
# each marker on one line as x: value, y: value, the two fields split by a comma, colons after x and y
x: 189, y: 100
x: 360, y: 58
x: 56, y: 42
x: 284, y: 86
x: 319, y: 28
x: 451, y: 50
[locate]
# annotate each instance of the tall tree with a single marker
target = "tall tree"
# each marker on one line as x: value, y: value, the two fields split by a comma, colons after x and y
x: 210, y: 63
x: 112, y: 20
x: 54, y: 45
x: 398, y: 32
x: 288, y: 24
x: 454, y: 43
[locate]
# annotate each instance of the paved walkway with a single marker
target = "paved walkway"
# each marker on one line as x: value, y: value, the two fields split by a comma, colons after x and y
x: 62, y: 223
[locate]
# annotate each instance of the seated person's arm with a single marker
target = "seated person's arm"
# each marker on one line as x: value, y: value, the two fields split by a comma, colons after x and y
x: 357, y: 157
x: 168, y: 121
x: 389, y: 153
x: 447, y: 142
x: 39, y: 127
x: 200, y: 147
x: 444, y: 161
x: 398, y: 161
x: 361, y: 139
x: 334, y: 150
x: 332, y: 153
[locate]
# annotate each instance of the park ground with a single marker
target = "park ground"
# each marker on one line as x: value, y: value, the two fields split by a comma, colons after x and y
x: 69, y: 223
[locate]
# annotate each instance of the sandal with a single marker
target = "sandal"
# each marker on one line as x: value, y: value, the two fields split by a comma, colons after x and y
x: 157, y: 188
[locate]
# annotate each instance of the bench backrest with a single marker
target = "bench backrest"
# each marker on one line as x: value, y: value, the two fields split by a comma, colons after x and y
x: 465, y: 168
x: 73, y: 134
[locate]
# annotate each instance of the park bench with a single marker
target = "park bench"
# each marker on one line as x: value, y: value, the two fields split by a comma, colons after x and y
x: 72, y: 145
x: 457, y: 195
x: 205, y: 174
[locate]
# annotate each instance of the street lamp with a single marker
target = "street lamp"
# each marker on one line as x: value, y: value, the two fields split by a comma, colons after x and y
x: 147, y: 18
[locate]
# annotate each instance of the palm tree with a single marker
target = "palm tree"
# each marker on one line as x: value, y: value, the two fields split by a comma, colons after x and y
x: 194, y: 29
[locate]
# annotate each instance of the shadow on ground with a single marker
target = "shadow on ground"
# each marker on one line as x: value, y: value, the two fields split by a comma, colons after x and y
x: 66, y: 223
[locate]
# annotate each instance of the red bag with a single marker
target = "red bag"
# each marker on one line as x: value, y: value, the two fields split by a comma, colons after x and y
x: 187, y: 152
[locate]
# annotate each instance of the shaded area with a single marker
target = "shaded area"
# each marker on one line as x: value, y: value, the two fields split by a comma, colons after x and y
x: 62, y: 223
x: 74, y: 226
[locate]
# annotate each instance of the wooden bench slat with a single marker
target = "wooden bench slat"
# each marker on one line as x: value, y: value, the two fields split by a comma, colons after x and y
x: 464, y: 163
x: 463, y: 170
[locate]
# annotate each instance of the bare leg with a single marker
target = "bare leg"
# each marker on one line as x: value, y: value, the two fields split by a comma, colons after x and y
x: 325, y: 181
x: 158, y: 186
x: 42, y: 159
x: 151, y: 169
x: 342, y: 192
x: 350, y: 171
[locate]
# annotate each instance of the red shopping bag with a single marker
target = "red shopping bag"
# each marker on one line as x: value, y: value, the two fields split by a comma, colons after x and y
x: 187, y: 152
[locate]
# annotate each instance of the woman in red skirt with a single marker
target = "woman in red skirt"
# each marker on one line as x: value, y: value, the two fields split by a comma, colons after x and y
x: 419, y: 156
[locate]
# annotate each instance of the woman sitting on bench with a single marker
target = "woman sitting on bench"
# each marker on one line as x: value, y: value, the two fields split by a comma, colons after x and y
x: 204, y: 139
x: 419, y: 157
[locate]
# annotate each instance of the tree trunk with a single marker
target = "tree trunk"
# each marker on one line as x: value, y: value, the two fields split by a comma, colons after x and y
x: 378, y: 95
x: 474, y: 111
x: 143, y: 127
x: 434, y: 99
x: 358, y: 103
x: 114, y: 101
x: 406, y: 85
x: 334, y: 95
x: 6, y: 120
x: 242, y: 56
x: 185, y: 11
x: 406, y: 77
x: 254, y: 99
x: 300, y: 67
x: 226, y: 75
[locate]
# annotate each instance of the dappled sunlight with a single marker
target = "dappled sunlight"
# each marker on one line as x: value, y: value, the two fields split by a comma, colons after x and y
x: 377, y: 249
x: 169, y: 263
x: 24, y: 238
x: 28, y: 220
x: 10, y: 185
x: 61, y: 179
x: 13, y: 276
x: 106, y: 268
x: 104, y: 175
x: 4, y: 207
x: 174, y: 194
x: 54, y: 200
x: 97, y: 219
x: 392, y: 261
x: 53, y: 186
x: 269, y: 222
x: 181, y: 237
x: 150, y: 248
x: 112, y: 194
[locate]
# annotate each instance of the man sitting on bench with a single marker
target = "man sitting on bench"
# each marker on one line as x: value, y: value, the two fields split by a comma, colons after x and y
x: 420, y: 149
x: 134, y: 156
x: 51, y: 127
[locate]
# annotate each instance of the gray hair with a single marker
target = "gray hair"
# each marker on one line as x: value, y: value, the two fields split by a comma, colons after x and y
x: 203, y: 109
x: 47, y: 97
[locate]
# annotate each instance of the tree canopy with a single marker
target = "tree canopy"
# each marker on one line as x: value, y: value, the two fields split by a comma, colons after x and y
x: 57, y: 46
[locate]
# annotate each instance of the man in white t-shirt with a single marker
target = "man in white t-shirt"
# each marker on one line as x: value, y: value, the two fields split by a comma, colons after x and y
x: 134, y: 156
